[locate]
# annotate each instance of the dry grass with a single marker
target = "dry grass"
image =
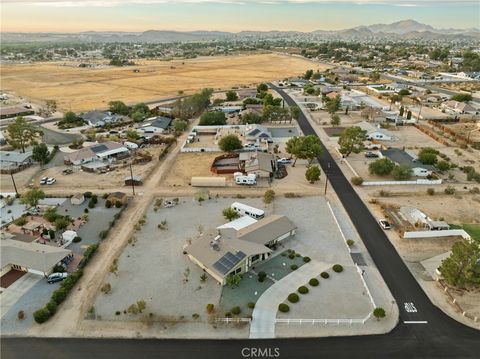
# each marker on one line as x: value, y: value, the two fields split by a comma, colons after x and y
x: 83, y: 89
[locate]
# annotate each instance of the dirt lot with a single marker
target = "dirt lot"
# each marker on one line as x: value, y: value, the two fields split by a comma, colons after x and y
x: 188, y: 165
x: 97, y: 181
x: 81, y: 89
x: 22, y: 179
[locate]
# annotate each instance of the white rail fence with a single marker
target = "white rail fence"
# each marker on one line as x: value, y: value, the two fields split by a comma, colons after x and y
x: 416, y: 182
x: 322, y: 321
x: 431, y: 234
x: 233, y: 320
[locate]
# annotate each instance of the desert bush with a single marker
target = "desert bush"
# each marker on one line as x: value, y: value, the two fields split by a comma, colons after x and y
x: 313, y: 282
x: 350, y: 242
x: 430, y: 191
x: 293, y: 267
x: 449, y: 190
x: 251, y: 305
x: 379, y: 313
x: 77, y: 239
x: 324, y: 275
x: 357, y: 181
x: 210, y: 308
x: 21, y: 315
x: 293, y: 298
x: 106, y: 288
x: 103, y: 234
x: 262, y: 276
x: 118, y: 204
x: 291, y: 255
x: 306, y: 259
x: 284, y: 308
x: 108, y: 203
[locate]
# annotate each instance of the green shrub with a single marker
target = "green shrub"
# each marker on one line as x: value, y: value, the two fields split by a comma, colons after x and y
x: 306, y: 259
x: 41, y: 315
x: 108, y: 203
x: 303, y: 290
x: 210, y: 308
x: 85, y: 210
x: 59, y: 295
x: 293, y: 267
x: 313, y: 282
x: 284, y: 308
x: 337, y: 268
x: 449, y: 190
x: 293, y: 298
x: 91, y: 204
x: 262, y: 276
x: 21, y: 315
x: 350, y: 242
x: 236, y: 310
x: 324, y: 275
x: 251, y: 305
x: 291, y: 255
x: 284, y: 254
x: 87, y: 195
x: 103, y: 234
x: 77, y: 239
x: 118, y: 204
x: 379, y: 313
x: 51, y: 306
x: 58, y: 269
x: 20, y: 221
x: 430, y: 191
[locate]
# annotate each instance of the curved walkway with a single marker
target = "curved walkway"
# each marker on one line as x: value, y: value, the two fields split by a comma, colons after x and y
x: 265, y: 311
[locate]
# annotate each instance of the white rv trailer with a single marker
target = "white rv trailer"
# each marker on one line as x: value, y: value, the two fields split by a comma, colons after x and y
x: 246, y: 210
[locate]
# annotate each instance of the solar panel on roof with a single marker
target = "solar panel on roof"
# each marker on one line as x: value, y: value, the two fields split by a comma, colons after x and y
x: 99, y: 148
x: 254, y: 132
x: 228, y: 261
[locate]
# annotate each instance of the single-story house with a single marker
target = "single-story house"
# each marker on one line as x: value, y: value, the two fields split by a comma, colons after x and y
x: 115, y: 197
x: 420, y: 220
x: 374, y: 132
x: 14, y: 159
x: 459, y: 107
x: 255, y: 133
x: 246, y: 93
x: 14, y: 111
x: 135, y: 180
x: 402, y: 157
x: 30, y: 257
x: 229, y: 251
x: 259, y: 163
x: 77, y: 199
x: 98, y: 118
x: 105, y: 151
x: 155, y: 125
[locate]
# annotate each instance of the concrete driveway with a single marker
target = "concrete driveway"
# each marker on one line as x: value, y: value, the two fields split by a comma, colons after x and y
x: 15, y: 291
x: 265, y: 311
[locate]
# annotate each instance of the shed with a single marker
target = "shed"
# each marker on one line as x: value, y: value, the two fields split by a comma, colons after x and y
x: 117, y: 197
x: 209, y: 181
x: 77, y: 199
x: 135, y: 180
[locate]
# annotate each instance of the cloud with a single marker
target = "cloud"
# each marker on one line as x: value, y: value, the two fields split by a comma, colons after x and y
x: 112, y: 3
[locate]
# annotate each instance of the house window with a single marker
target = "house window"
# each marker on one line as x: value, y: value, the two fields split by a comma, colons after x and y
x: 255, y: 258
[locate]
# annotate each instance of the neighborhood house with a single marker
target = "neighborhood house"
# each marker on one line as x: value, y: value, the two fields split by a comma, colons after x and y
x: 234, y: 249
x: 402, y: 157
x: 105, y: 151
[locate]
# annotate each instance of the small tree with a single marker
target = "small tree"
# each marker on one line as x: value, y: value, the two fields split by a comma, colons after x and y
x: 335, y: 120
x: 180, y: 125
x: 230, y: 214
x: 233, y: 281
x: 428, y: 156
x: 21, y: 133
x: 461, y: 269
x: 212, y: 118
x: 351, y: 140
x: 312, y: 174
x: 268, y: 196
x: 442, y: 166
x: 402, y: 173
x: 379, y: 313
x: 132, y: 134
x: 32, y: 197
x: 231, y: 96
x: 141, y: 305
x: 40, y: 153
x: 230, y: 143
x: 381, y: 167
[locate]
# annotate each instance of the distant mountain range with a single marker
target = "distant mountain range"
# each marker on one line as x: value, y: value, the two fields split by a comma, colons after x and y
x: 397, y: 31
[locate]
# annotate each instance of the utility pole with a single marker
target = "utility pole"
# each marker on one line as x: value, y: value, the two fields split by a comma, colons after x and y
x: 131, y: 179
x: 14, y: 185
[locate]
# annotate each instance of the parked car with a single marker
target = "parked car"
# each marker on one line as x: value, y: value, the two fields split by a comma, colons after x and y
x: 372, y: 146
x: 56, y: 277
x: 51, y: 180
x: 284, y: 160
x: 370, y: 154
x: 67, y: 171
x: 384, y: 224
x: 44, y: 180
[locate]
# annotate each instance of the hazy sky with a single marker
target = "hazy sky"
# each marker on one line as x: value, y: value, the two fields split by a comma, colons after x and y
x: 229, y: 15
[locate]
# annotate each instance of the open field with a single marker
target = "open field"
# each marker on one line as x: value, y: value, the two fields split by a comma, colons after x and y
x: 81, y: 89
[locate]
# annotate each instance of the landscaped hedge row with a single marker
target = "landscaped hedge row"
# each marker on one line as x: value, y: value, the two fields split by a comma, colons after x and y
x: 104, y: 234
x: 58, y: 296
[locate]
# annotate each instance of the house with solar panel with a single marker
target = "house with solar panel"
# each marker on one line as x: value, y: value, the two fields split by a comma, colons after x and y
x: 231, y: 250
x: 106, y: 152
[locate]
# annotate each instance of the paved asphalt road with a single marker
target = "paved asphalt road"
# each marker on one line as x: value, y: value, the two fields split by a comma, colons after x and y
x: 438, y: 336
